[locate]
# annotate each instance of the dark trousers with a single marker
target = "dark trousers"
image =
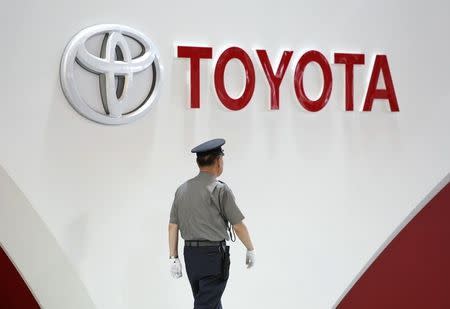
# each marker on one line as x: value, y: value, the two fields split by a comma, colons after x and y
x: 204, y: 270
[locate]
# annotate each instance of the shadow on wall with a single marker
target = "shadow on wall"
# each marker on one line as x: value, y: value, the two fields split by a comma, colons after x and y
x: 413, y: 269
x: 33, y: 258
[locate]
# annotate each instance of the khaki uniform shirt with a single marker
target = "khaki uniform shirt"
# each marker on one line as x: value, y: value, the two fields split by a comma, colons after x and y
x: 196, y: 206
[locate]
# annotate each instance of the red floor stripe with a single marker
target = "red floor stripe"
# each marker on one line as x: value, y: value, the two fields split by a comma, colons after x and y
x: 414, y: 269
x: 14, y: 293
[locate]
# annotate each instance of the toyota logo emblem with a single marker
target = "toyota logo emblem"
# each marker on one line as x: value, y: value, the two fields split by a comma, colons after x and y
x: 115, y: 68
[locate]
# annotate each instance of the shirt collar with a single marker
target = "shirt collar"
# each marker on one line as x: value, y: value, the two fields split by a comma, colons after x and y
x: 206, y: 175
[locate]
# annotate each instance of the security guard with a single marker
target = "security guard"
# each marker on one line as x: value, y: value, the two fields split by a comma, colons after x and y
x: 205, y: 212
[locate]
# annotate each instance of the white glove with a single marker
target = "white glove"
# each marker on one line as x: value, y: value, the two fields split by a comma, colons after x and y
x: 250, y: 258
x: 175, y: 268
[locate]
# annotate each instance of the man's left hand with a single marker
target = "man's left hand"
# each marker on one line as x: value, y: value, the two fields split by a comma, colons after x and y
x: 176, y: 268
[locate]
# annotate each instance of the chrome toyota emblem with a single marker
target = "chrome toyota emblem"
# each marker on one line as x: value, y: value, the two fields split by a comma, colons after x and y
x: 115, y: 68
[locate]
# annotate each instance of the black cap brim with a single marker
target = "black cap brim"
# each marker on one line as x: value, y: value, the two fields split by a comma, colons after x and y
x: 208, y: 147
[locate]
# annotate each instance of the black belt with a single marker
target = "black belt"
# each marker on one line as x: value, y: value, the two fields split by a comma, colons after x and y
x: 202, y: 243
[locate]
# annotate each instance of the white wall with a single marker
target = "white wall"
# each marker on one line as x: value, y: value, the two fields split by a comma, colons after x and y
x: 35, y: 253
x: 321, y: 191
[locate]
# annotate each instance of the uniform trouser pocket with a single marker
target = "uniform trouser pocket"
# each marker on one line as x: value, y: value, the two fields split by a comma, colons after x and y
x: 225, y: 262
x: 204, y: 261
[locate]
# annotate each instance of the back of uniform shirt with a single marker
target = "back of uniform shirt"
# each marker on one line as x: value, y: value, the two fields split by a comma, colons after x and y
x: 196, y: 207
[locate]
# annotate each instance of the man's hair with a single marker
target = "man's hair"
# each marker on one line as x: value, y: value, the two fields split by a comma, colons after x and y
x: 207, y: 160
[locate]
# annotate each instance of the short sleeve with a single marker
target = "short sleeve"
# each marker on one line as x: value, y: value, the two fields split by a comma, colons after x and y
x: 174, y: 210
x: 228, y: 202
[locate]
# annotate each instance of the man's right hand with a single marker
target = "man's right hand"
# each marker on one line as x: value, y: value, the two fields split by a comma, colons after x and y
x: 243, y: 234
x: 250, y: 258
x: 175, y: 268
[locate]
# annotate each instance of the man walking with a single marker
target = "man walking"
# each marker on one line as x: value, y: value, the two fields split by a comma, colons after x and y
x: 204, y: 210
